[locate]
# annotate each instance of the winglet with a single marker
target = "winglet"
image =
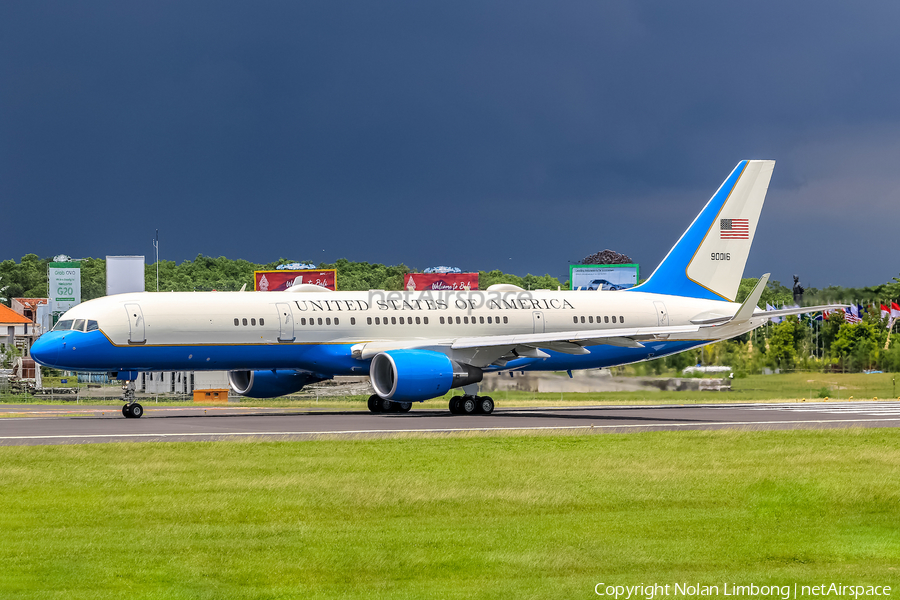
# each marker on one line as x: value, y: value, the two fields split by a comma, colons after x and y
x: 750, y: 304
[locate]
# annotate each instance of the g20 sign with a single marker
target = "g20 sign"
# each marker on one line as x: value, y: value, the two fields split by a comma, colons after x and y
x: 65, y: 286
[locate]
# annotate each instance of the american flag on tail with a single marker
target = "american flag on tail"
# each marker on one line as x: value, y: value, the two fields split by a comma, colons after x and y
x: 734, y: 229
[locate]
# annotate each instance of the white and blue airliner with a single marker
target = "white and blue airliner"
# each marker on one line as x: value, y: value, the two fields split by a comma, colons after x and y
x: 419, y: 345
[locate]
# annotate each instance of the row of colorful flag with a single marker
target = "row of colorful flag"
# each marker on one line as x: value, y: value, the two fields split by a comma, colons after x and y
x: 852, y: 313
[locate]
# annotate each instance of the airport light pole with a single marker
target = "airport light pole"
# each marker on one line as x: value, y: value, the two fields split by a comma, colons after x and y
x: 156, y: 245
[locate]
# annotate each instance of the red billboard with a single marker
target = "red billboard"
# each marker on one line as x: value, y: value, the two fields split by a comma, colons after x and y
x: 416, y: 282
x: 278, y: 281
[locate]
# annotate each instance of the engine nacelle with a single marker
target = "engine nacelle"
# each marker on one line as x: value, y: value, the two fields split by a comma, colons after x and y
x: 417, y: 375
x: 269, y: 383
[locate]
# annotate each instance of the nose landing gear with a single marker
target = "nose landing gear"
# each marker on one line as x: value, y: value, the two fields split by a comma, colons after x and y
x: 131, y: 410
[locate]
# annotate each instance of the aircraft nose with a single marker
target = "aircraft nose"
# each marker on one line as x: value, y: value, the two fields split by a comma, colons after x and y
x: 45, y: 350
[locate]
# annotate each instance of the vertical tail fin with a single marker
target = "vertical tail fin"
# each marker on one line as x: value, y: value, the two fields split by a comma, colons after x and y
x: 708, y: 261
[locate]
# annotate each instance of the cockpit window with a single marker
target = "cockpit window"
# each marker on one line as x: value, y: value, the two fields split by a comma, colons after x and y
x: 79, y: 325
x: 92, y: 326
x: 63, y: 325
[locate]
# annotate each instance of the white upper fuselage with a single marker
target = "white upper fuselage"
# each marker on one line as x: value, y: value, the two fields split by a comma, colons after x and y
x: 200, y: 318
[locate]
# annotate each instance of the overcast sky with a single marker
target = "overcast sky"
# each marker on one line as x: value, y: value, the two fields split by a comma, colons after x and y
x: 513, y: 135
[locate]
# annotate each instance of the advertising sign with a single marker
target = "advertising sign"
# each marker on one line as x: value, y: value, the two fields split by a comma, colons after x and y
x: 124, y: 274
x: 278, y: 281
x: 65, y: 286
x: 603, y: 277
x: 416, y: 282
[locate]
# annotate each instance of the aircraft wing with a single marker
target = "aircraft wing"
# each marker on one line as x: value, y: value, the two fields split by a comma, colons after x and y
x: 498, y: 349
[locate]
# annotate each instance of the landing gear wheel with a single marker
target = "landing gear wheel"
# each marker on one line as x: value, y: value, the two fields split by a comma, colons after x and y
x: 403, y: 407
x: 467, y: 405
x: 454, y: 405
x: 374, y: 404
x: 386, y: 406
x: 484, y: 405
x: 137, y: 410
x: 126, y: 411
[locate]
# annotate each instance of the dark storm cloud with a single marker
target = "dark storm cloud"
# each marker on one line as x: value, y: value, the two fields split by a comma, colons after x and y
x: 513, y: 135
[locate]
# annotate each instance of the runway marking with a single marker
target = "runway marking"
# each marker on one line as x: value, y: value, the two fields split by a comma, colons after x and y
x: 441, y: 430
x: 875, y: 408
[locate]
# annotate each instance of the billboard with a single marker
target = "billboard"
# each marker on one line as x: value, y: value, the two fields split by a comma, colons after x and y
x: 603, y: 277
x: 65, y: 286
x: 278, y: 281
x: 124, y: 274
x: 416, y: 282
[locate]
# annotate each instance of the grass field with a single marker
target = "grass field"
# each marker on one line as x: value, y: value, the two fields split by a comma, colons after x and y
x: 754, y: 388
x: 449, y: 516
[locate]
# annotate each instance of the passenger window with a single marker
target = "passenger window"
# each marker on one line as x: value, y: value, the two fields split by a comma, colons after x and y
x: 393, y: 320
x: 320, y: 320
x: 262, y: 321
x: 481, y: 320
x: 582, y: 319
x: 489, y: 320
x: 353, y: 320
x: 401, y: 321
x: 93, y: 326
x: 466, y: 320
x: 328, y: 320
x: 368, y: 320
x: 312, y: 322
x: 426, y: 320
x: 590, y: 319
x: 337, y: 321
x: 253, y: 322
x: 236, y: 322
x: 614, y: 319
x: 79, y: 325
x: 606, y: 319
x: 505, y: 319
x: 417, y: 320
x: 458, y: 320
x: 244, y: 321
x: 621, y: 319
x: 574, y: 319
x: 377, y: 320
x: 442, y: 320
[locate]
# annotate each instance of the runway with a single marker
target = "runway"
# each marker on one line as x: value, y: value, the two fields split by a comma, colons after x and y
x: 39, y: 425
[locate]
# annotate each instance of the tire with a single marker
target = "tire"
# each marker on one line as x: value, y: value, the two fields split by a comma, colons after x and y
x: 126, y: 411
x: 404, y: 407
x: 385, y: 405
x: 374, y: 404
x: 454, y: 405
x: 485, y: 405
x: 468, y: 405
x: 137, y: 410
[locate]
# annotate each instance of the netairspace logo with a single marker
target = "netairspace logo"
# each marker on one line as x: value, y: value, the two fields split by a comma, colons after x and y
x: 785, y: 592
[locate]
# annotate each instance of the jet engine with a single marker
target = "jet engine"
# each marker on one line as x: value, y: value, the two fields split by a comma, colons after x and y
x: 270, y: 383
x: 417, y: 375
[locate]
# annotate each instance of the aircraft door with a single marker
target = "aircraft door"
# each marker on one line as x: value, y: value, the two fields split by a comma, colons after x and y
x: 538, y: 318
x: 136, y: 330
x: 662, y: 316
x: 287, y: 322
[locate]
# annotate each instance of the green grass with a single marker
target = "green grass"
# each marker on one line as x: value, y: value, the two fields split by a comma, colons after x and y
x: 473, y: 516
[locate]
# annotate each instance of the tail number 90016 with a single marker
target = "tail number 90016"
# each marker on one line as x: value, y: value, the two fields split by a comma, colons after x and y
x: 720, y: 255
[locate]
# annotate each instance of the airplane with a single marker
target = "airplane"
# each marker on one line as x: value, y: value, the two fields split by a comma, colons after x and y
x: 415, y: 346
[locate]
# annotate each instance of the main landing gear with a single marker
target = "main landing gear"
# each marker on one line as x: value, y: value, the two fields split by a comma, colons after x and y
x: 131, y: 410
x: 377, y: 404
x: 471, y: 405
